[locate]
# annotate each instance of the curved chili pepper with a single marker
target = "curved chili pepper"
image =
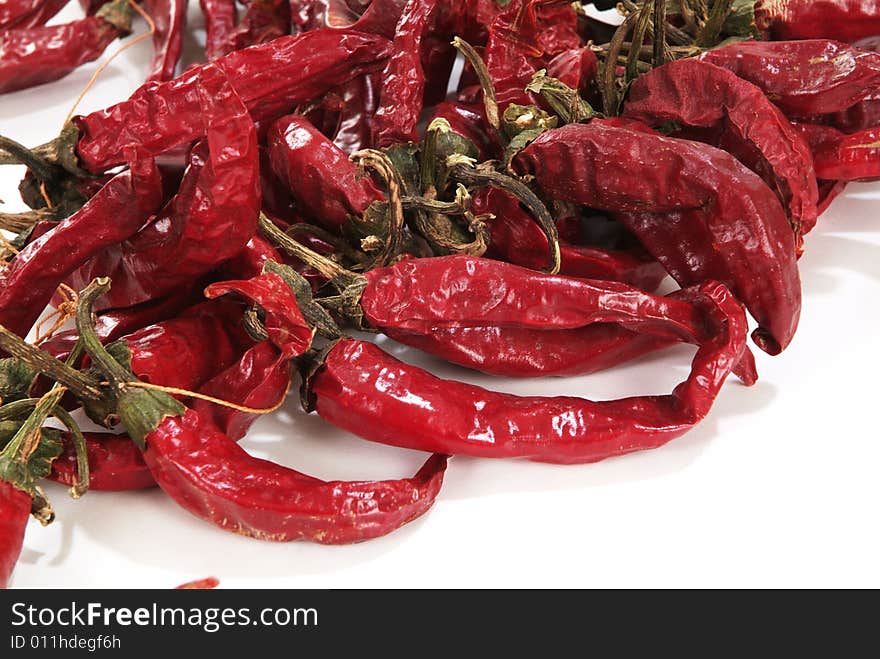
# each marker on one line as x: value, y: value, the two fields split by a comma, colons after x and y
x: 517, y: 239
x: 269, y: 78
x: 403, y: 88
x: 211, y: 476
x: 249, y: 261
x: 114, y: 214
x: 15, y: 508
x: 169, y: 17
x: 363, y: 390
x: 37, y: 55
x: 740, y: 118
x: 115, y: 464
x: 360, y: 101
x: 803, y: 78
x: 841, y: 157
x: 698, y: 210
x: 211, y: 218
x: 221, y: 17
x: 22, y: 14
x: 327, y: 186
x: 263, y: 21
x: 846, y: 20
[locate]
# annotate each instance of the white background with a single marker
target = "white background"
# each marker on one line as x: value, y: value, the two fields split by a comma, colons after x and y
x: 778, y: 487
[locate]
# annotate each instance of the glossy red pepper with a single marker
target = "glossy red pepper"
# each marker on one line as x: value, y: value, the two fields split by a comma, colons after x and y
x: 363, y: 390
x: 845, y: 20
x: 360, y: 101
x: 221, y: 18
x: 803, y: 78
x: 115, y: 464
x: 211, y: 218
x: 699, y: 211
x: 270, y: 79
x: 326, y: 185
x: 841, y: 157
x: 28, y: 13
x: 37, y: 55
x: 576, y: 68
x: 403, y: 82
x: 740, y: 119
x: 15, y: 508
x: 169, y: 16
x: 114, y: 214
x: 517, y: 239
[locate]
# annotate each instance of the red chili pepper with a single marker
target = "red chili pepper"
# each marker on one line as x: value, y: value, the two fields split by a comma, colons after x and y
x: 469, y: 121
x: 739, y: 118
x: 576, y: 68
x: 211, y: 218
x: 360, y: 101
x: 114, y: 214
x: 845, y: 20
x: 403, y: 86
x: 325, y: 184
x: 269, y: 78
x: 517, y: 239
x: 221, y: 17
x: 803, y: 78
x: 37, y: 55
x: 169, y: 17
x: 22, y: 14
x: 263, y: 21
x: 115, y: 464
x: 700, y: 212
x: 841, y: 157
x: 828, y: 192
x: 249, y: 262
x: 361, y: 389
x: 15, y: 508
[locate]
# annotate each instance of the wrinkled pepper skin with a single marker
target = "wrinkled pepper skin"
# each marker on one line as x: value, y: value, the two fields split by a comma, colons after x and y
x: 15, y: 508
x: 37, y: 55
x: 210, y: 219
x: 28, y: 13
x: 263, y: 21
x: 403, y: 81
x: 803, y: 78
x: 170, y: 19
x: 325, y: 184
x: 696, y: 94
x: 115, y: 213
x: 221, y: 17
x: 270, y: 78
x: 844, y: 20
x: 115, y: 464
x: 360, y: 99
x: 697, y: 209
x: 212, y: 477
x: 576, y: 67
x: 842, y: 157
x: 363, y: 390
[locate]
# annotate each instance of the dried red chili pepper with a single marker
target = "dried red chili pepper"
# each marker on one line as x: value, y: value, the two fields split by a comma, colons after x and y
x: 115, y: 464
x: 15, y: 509
x: 212, y: 477
x: 37, y: 55
x: 845, y: 20
x: 803, y: 78
x: 361, y: 389
x: 114, y: 214
x: 828, y: 192
x: 221, y: 17
x: 249, y: 261
x: 325, y: 184
x: 699, y: 211
x: 270, y: 79
x: 360, y: 101
x: 841, y: 157
x: 263, y: 21
x: 576, y: 67
x: 469, y: 121
x: 517, y: 239
x: 169, y: 17
x: 211, y: 218
x: 739, y: 118
x: 403, y: 87
x: 22, y: 14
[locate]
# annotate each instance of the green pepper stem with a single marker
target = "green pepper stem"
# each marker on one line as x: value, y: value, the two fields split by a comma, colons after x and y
x: 638, y: 40
x: 382, y: 164
x: 25, y: 441
x: 80, y: 384
x: 90, y: 341
x: 610, y: 96
x: 709, y: 34
x: 81, y: 450
x: 20, y: 154
x: 490, y: 100
x: 660, y: 50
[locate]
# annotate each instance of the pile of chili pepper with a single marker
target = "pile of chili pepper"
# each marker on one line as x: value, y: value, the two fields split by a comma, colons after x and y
x: 197, y: 250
